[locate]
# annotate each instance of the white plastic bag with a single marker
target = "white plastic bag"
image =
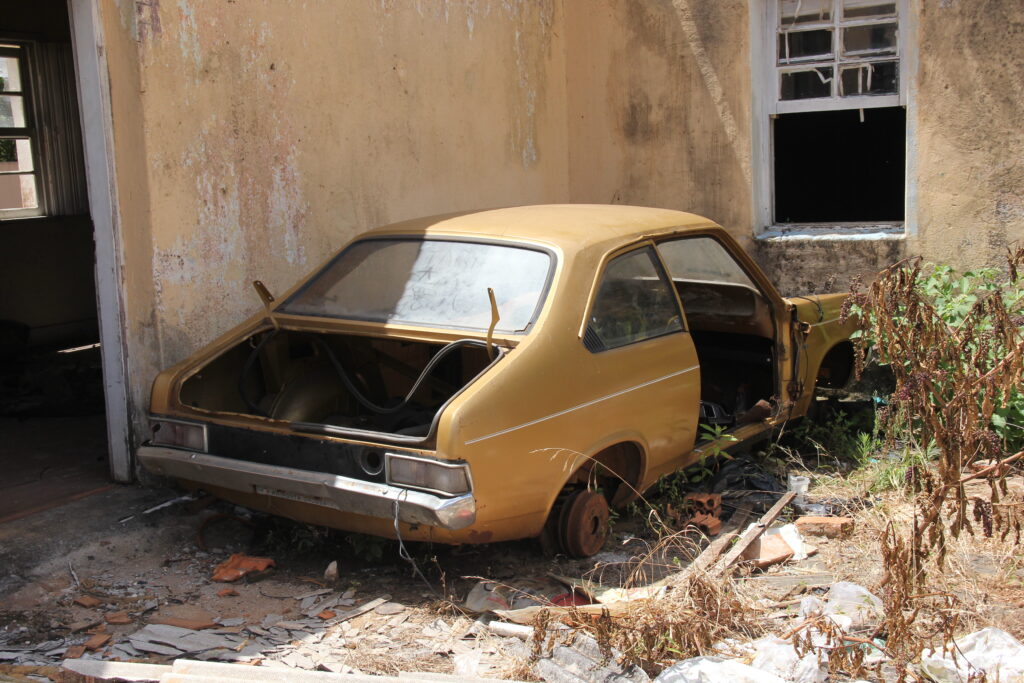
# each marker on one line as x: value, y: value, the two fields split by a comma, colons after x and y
x: 991, y: 650
x: 855, y: 602
x: 779, y: 658
x: 714, y: 670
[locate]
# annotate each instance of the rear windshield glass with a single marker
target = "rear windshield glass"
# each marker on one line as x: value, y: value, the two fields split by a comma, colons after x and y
x: 435, y: 283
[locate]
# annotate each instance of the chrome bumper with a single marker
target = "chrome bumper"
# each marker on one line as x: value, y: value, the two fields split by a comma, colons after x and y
x: 315, y: 488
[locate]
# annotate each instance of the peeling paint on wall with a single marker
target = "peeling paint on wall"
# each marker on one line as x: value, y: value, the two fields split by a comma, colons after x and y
x: 532, y: 40
x: 287, y: 209
x: 188, y: 35
x: 147, y: 20
x: 267, y: 147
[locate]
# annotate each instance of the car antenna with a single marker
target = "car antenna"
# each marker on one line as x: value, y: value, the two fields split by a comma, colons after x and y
x: 494, y: 322
x: 267, y: 298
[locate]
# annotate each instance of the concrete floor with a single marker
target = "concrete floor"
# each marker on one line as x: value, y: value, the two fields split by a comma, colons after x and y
x: 48, y: 461
x: 41, y: 543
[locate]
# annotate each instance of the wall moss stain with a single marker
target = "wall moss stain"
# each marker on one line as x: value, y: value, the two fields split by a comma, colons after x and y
x: 823, y: 266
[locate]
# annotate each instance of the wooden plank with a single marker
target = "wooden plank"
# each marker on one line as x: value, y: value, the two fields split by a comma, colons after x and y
x: 754, y: 532
x: 710, y: 554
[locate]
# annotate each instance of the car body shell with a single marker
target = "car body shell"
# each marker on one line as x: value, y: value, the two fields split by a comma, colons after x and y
x: 549, y: 406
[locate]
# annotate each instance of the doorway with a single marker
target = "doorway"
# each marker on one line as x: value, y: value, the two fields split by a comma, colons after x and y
x: 53, y: 422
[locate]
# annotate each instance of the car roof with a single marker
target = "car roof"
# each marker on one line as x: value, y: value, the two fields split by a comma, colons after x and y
x: 568, y: 226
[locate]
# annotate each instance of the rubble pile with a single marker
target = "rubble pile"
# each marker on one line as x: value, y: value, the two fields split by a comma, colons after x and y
x: 221, y: 607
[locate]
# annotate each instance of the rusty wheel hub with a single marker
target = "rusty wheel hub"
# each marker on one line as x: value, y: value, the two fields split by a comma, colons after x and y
x: 583, y: 524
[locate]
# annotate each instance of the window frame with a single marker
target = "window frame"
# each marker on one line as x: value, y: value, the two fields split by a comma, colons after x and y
x: 763, y: 21
x: 835, y: 101
x: 595, y: 292
x: 30, y: 132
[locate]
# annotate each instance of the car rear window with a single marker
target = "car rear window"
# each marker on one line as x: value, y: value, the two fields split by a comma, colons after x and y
x: 429, y: 282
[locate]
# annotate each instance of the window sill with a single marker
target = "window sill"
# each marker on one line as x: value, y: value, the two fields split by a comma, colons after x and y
x: 20, y: 214
x: 832, y: 233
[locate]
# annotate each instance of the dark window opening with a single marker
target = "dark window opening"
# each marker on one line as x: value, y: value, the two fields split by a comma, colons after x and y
x: 831, y: 167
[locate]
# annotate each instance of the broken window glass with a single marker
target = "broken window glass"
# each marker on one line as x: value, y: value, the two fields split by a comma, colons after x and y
x: 870, y: 39
x: 864, y: 9
x: 803, y: 85
x: 793, y: 12
x: 797, y: 45
x: 872, y: 78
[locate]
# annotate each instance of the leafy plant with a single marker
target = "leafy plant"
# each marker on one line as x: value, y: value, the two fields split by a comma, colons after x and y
x: 840, y: 433
x: 716, y: 438
x: 956, y: 348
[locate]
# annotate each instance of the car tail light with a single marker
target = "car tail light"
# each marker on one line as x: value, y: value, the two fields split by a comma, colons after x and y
x: 428, y: 475
x: 189, y: 435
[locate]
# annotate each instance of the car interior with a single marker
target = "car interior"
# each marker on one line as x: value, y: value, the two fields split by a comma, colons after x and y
x: 730, y: 322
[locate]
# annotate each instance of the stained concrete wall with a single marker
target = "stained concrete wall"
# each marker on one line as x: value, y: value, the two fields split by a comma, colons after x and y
x: 969, y: 141
x: 659, y: 106
x: 660, y: 100
x: 253, y: 138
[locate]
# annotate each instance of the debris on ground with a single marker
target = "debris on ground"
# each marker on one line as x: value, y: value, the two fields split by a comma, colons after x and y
x: 714, y: 670
x: 583, y: 659
x: 830, y: 527
x: 779, y: 657
x: 93, y: 671
x: 990, y: 654
x: 804, y: 616
x: 767, y: 550
x: 491, y: 596
x: 238, y: 565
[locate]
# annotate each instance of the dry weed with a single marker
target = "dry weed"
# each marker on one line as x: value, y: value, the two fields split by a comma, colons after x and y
x: 696, y: 611
x: 950, y: 379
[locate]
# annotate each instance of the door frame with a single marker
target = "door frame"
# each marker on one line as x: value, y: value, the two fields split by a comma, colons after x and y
x: 93, y: 86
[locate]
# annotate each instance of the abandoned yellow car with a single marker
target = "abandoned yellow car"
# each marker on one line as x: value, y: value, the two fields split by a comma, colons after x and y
x: 495, y: 375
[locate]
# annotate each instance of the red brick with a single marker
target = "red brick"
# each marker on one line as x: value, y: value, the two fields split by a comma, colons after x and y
x: 769, y: 550
x: 97, y: 641
x: 194, y: 624
x: 709, y: 524
x: 75, y: 652
x: 709, y: 503
x: 88, y: 601
x: 830, y: 527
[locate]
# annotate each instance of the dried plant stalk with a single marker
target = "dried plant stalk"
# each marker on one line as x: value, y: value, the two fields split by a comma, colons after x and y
x: 950, y: 380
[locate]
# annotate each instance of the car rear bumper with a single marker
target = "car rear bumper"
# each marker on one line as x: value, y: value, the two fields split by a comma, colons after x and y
x: 315, y: 488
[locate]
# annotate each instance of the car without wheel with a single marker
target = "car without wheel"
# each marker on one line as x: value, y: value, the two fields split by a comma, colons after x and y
x: 496, y: 375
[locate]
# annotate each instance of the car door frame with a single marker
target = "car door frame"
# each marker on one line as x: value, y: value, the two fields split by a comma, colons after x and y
x: 788, y: 387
